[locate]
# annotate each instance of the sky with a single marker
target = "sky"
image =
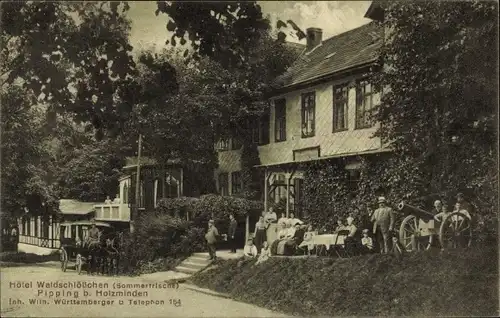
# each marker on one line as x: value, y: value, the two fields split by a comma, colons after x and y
x: 334, y: 17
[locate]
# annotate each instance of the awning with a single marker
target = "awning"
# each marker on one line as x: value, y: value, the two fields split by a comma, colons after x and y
x: 131, y: 162
x: 351, y: 154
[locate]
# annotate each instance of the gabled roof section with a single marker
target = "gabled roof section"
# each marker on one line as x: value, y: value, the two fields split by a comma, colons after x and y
x: 338, y: 53
x: 69, y: 206
x: 131, y: 162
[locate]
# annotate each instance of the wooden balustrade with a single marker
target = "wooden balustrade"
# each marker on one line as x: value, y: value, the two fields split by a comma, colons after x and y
x: 112, y: 212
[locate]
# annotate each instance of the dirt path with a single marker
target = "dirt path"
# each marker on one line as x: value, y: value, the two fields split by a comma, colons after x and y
x: 23, y: 296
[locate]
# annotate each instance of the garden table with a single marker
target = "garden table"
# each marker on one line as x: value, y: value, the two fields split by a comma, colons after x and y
x: 327, y: 240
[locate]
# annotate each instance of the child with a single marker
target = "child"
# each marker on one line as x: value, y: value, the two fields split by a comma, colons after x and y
x: 308, y: 239
x: 264, y: 254
x: 367, y: 242
x: 250, y: 250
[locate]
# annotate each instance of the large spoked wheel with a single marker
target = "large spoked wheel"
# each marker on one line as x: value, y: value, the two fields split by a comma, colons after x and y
x: 455, y: 231
x: 409, y: 235
x: 79, y: 263
x: 64, y: 260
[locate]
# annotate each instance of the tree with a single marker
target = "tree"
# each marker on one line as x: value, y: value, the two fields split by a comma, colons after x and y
x: 59, y: 62
x: 73, y: 55
x: 438, y: 112
x: 223, y: 31
x: 205, y: 102
x: 25, y: 162
x: 93, y: 172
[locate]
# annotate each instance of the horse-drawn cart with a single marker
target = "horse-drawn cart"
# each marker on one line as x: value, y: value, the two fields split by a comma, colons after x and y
x: 419, y: 227
x: 75, y: 251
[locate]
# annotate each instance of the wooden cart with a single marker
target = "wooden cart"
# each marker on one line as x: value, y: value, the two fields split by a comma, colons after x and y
x: 419, y: 228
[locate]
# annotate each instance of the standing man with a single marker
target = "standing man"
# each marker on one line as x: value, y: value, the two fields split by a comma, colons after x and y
x: 211, y: 238
x: 383, y: 220
x: 232, y: 231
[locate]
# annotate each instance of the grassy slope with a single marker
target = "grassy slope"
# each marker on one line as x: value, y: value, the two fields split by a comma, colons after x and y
x: 427, y: 283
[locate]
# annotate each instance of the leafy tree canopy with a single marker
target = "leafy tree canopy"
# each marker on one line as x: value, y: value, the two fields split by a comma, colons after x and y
x: 25, y: 164
x: 438, y: 112
x: 73, y: 55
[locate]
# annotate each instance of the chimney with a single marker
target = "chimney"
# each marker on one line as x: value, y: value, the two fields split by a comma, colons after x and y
x: 314, y: 37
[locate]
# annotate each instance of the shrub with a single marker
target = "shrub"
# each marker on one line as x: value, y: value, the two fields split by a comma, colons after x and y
x: 158, y: 237
x: 453, y: 283
x: 208, y: 207
x: 176, y: 206
x: 166, y: 233
x: 219, y: 208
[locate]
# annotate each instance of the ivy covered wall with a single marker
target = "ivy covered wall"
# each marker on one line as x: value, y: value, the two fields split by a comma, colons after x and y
x: 329, y: 193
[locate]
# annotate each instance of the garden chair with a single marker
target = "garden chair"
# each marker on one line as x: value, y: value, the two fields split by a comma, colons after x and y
x: 340, y: 249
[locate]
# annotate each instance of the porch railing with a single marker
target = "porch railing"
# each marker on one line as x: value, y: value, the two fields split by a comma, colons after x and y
x: 40, y: 241
x: 112, y: 212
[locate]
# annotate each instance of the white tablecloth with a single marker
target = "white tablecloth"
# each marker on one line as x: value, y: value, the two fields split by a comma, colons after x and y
x: 325, y: 239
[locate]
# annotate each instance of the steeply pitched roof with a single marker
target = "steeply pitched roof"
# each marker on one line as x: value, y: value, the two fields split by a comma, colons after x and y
x: 299, y: 48
x: 338, y: 53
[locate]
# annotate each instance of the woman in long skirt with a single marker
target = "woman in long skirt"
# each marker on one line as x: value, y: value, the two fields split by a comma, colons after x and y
x: 260, y: 233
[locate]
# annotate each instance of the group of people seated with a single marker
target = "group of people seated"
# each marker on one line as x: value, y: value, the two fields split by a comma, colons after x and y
x: 290, y: 235
x: 293, y: 235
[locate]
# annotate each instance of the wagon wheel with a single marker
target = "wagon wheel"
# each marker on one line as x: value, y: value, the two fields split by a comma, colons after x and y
x: 455, y: 231
x: 79, y: 263
x: 409, y: 231
x: 64, y: 260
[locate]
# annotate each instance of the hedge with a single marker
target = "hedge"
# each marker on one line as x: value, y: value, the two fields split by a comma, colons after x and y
x: 453, y: 283
x: 211, y: 206
x: 164, y: 237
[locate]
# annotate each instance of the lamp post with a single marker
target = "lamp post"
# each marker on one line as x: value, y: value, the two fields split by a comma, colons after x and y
x: 135, y: 209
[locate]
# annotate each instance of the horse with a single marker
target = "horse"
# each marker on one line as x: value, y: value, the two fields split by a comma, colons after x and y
x: 111, y: 254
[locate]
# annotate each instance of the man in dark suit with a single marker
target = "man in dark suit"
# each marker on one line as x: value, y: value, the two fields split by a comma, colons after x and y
x: 231, y: 233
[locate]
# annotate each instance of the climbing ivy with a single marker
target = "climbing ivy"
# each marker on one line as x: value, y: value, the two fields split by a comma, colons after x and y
x: 329, y: 194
